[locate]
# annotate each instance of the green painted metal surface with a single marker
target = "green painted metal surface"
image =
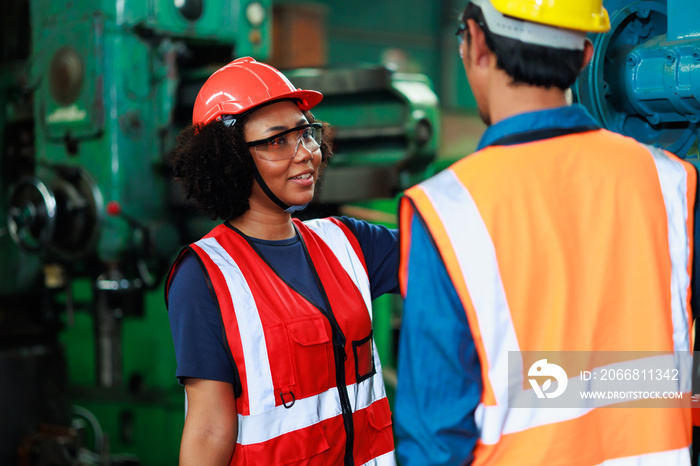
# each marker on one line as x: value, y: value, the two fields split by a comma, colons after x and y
x: 213, y: 21
x: 93, y: 94
x: 105, y: 98
x: 143, y: 417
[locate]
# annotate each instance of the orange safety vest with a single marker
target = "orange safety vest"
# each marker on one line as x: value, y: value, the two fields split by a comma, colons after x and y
x: 581, y: 242
x: 311, y: 383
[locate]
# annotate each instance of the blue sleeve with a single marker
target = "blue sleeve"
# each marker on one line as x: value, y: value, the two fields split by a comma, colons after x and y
x: 695, y: 272
x: 196, y: 327
x: 439, y: 377
x: 380, y: 247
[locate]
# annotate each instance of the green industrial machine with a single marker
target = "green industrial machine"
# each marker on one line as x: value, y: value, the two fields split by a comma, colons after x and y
x: 94, y: 94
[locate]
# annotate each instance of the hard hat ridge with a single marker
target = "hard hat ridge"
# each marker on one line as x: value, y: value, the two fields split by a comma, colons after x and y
x: 581, y: 15
x: 530, y: 32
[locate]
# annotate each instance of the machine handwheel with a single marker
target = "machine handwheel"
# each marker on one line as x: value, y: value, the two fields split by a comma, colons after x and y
x: 31, y: 218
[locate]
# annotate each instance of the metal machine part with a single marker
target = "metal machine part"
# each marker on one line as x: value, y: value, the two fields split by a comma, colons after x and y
x: 60, y: 217
x: 644, y: 79
x: 115, y: 297
x: 190, y: 9
x: 66, y: 73
x: 32, y: 215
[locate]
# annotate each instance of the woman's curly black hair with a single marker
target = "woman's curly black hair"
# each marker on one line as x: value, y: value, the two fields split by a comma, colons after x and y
x: 214, y: 166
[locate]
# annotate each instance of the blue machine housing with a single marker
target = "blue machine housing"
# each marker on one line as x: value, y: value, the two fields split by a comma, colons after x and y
x: 644, y: 79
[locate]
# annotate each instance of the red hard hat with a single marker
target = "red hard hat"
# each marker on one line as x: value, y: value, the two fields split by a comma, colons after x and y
x: 242, y: 85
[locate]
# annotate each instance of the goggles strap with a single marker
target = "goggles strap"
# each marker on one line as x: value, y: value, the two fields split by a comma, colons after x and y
x: 271, y: 195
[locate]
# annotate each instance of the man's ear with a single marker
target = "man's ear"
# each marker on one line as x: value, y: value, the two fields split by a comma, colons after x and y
x: 587, y: 53
x: 479, y: 51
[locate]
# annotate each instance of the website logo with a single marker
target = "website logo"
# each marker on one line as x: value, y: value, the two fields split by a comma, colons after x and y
x: 542, y: 368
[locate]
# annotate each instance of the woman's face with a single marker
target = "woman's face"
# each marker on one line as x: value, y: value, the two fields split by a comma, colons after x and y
x: 291, y: 179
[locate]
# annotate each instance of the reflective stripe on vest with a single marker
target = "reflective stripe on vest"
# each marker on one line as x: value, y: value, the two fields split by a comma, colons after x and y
x: 470, y: 254
x: 335, y: 238
x: 387, y: 459
x: 674, y: 187
x: 313, y: 409
x: 677, y: 457
x: 260, y: 390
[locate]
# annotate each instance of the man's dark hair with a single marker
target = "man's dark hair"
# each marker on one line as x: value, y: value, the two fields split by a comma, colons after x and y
x: 527, y: 63
x: 214, y: 166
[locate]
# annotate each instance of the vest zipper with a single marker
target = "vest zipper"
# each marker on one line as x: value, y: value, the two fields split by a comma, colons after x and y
x: 339, y: 355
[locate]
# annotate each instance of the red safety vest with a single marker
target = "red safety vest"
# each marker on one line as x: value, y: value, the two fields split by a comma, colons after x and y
x: 312, y: 383
x: 579, y: 243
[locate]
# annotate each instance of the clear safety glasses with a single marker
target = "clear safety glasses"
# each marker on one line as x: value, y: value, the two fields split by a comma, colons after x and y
x: 463, y: 27
x: 284, y: 145
x: 460, y: 32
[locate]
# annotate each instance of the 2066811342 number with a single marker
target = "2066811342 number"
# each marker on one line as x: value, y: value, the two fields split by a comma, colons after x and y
x: 638, y: 374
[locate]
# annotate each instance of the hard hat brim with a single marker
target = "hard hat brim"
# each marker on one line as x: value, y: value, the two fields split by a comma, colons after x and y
x: 306, y: 99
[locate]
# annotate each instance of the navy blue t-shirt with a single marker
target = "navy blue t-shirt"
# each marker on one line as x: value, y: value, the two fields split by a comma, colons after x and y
x: 195, y: 322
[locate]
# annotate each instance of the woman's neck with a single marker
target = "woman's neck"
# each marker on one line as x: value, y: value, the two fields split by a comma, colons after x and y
x: 265, y: 224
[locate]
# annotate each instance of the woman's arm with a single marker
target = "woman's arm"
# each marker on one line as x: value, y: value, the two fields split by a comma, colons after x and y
x: 211, y: 424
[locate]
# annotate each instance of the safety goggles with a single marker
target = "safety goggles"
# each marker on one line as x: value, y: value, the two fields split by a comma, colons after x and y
x: 284, y: 145
x: 463, y: 27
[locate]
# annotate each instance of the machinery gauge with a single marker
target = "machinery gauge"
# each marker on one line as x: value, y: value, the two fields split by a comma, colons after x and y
x: 255, y: 13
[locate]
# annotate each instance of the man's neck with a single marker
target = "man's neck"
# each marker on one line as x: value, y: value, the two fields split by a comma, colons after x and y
x: 513, y: 99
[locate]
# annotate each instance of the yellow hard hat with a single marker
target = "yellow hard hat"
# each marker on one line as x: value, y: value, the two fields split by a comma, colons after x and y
x: 582, y: 15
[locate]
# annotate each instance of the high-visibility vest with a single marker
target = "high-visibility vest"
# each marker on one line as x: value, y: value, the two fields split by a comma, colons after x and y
x: 312, y: 388
x: 580, y: 242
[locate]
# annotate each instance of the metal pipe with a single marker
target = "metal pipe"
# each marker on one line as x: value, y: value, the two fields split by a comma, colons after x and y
x: 108, y: 316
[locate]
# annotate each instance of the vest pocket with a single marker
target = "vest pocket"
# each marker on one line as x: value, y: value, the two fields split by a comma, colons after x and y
x: 379, y: 428
x: 363, y: 350
x: 310, y: 343
x: 280, y: 356
x: 379, y: 417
